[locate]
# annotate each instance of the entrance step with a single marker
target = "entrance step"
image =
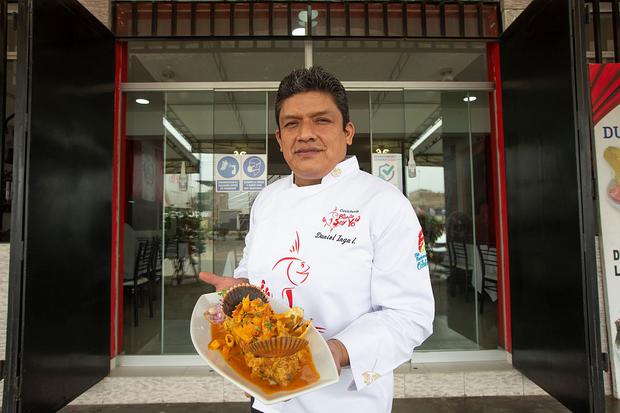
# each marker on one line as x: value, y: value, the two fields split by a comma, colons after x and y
x: 147, y: 385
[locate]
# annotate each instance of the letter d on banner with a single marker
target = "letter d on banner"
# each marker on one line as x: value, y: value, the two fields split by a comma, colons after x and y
x: 616, y: 255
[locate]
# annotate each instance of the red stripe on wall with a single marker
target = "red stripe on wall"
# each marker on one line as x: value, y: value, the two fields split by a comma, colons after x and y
x: 499, y: 193
x: 122, y: 198
x: 118, y: 199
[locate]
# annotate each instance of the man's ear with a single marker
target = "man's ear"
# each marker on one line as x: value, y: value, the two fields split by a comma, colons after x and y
x: 349, y: 132
x: 279, y: 139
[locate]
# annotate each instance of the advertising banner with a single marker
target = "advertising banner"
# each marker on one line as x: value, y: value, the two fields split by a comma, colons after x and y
x: 388, y: 166
x: 236, y: 173
x: 605, y: 95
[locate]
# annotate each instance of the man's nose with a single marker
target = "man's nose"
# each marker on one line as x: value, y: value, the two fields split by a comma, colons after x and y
x: 306, y: 131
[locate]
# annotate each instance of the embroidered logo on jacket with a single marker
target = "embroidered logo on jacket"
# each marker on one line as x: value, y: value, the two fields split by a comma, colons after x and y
x: 297, y: 272
x: 295, y: 268
x: 420, y: 255
x: 341, y: 218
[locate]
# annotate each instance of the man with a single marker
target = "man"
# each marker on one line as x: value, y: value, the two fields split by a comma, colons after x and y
x: 343, y: 245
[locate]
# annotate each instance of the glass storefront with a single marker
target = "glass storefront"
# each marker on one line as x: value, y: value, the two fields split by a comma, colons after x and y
x: 197, y: 159
x: 203, y: 227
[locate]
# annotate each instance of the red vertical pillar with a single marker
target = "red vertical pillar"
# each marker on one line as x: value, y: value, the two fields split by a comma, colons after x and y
x: 499, y: 194
x: 118, y: 201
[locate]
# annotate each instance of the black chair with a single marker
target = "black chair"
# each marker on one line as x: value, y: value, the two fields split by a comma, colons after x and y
x: 138, y: 280
x: 452, y: 269
x: 462, y: 265
x: 155, y: 267
x: 488, y: 262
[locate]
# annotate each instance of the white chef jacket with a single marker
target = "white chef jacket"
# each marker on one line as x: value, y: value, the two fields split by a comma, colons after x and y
x: 350, y: 252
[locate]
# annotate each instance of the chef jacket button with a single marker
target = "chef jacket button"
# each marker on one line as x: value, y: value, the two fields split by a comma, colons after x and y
x: 336, y: 172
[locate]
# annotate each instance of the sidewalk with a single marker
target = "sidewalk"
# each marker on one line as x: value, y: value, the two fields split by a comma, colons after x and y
x: 514, y: 404
x: 519, y: 404
x: 200, y: 385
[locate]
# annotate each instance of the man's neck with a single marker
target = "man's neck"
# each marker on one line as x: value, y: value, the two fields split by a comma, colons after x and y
x: 305, y: 182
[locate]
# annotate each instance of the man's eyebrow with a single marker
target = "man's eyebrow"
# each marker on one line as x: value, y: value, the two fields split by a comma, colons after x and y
x: 322, y: 113
x: 312, y: 115
x: 290, y: 117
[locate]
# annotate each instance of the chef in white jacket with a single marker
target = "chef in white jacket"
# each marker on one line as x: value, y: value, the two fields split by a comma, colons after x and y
x: 343, y: 245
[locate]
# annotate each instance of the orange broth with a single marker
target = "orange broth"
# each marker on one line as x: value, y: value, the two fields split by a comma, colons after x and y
x: 306, y: 376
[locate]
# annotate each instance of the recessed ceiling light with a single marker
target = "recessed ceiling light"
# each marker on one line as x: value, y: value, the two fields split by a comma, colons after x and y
x: 300, y: 31
x: 469, y: 98
x: 142, y: 101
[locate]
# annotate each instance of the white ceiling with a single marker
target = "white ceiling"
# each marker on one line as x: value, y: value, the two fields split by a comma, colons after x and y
x: 203, y: 116
x: 271, y: 60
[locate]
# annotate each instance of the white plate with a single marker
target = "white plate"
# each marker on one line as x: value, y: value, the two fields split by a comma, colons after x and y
x: 200, y: 330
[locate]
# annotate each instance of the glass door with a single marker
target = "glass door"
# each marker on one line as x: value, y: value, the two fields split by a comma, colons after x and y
x: 187, y: 214
x: 209, y: 191
x: 447, y: 180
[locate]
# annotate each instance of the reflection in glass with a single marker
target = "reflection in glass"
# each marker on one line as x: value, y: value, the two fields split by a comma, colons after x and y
x: 144, y: 178
x: 7, y: 152
x: 399, y: 60
x: 450, y: 194
x: 213, y: 61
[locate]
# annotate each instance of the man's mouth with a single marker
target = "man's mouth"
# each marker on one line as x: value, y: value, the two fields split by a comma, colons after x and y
x: 308, y: 151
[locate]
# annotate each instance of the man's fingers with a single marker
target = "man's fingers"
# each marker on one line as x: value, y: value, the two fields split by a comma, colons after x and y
x: 218, y: 281
x: 209, y: 278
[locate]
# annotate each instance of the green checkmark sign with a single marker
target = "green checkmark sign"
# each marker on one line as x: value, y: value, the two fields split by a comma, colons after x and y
x: 387, y: 171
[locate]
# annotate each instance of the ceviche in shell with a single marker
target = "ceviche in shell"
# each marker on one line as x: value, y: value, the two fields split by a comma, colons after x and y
x: 266, y: 346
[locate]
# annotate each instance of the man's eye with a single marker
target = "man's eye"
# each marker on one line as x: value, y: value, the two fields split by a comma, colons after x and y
x: 323, y: 121
x: 290, y: 124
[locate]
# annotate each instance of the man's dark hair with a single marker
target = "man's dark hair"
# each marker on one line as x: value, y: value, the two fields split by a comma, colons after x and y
x: 314, y: 79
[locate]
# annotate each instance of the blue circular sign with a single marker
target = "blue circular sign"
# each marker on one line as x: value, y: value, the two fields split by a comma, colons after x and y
x: 227, y: 167
x: 254, y: 166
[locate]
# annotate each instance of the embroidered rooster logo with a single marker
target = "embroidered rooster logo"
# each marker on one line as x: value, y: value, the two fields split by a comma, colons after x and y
x: 295, y: 268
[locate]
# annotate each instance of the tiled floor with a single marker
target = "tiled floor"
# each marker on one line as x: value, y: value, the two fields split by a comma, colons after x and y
x: 529, y: 404
x: 420, y: 380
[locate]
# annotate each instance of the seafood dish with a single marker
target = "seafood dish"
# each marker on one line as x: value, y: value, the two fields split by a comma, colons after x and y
x: 266, y: 347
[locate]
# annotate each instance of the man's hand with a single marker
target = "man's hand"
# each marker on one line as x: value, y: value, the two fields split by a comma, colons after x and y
x: 339, y: 353
x: 220, y: 283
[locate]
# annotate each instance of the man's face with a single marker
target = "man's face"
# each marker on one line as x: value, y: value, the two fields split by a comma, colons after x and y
x: 311, y: 136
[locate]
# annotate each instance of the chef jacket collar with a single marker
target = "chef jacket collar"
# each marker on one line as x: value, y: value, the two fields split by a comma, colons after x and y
x: 344, y: 168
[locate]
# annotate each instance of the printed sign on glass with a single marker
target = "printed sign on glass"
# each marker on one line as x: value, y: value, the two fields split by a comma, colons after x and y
x: 227, y: 173
x: 254, y: 172
x: 388, y: 166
